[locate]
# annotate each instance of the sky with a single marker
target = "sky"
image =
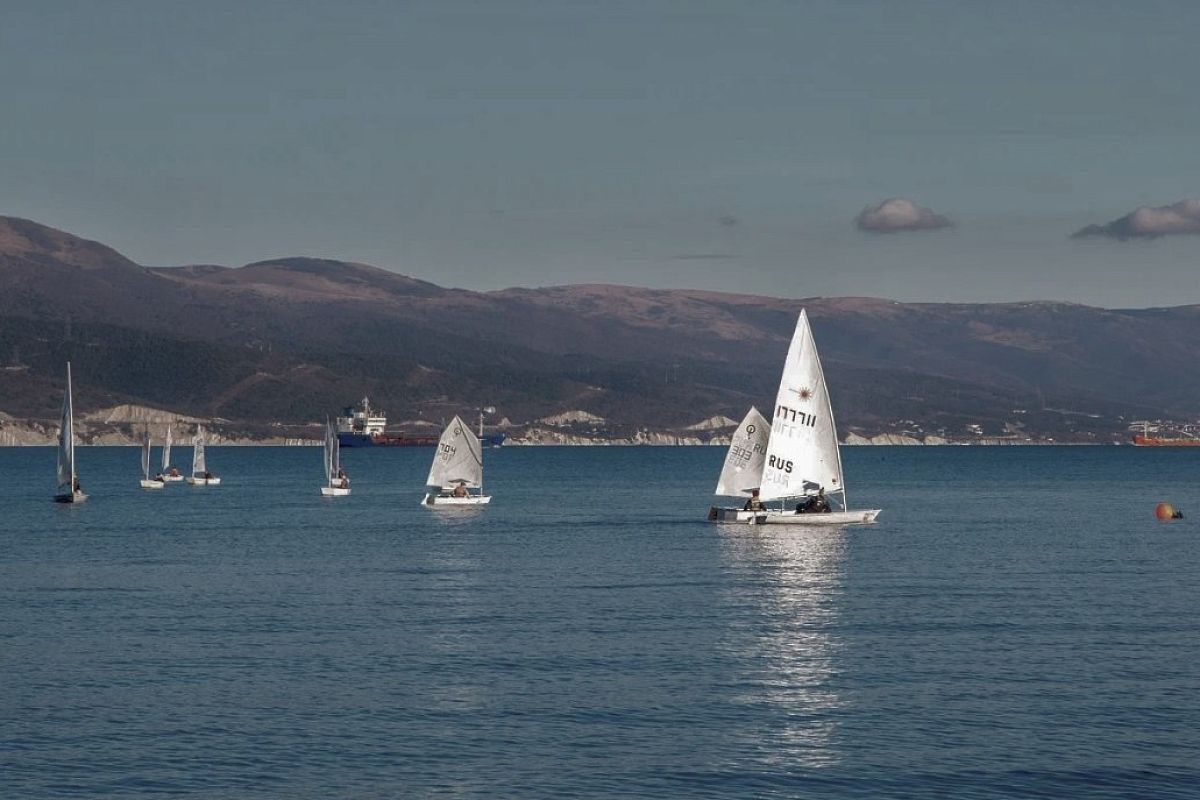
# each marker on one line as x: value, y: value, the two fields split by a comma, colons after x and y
x: 714, y: 145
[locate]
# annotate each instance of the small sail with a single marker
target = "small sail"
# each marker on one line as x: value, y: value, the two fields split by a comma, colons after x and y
x: 66, y: 440
x: 747, y: 454
x: 458, y: 458
x: 166, y: 454
x: 802, y: 455
x: 146, y: 455
x: 198, y: 468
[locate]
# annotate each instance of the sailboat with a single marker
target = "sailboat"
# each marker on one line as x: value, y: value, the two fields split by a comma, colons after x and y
x: 69, y: 490
x: 802, y: 462
x: 742, y: 471
x: 336, y: 482
x: 457, y: 468
x: 169, y: 473
x: 147, y: 482
x: 200, y: 475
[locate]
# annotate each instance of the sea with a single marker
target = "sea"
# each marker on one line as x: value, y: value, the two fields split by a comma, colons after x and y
x: 1017, y: 625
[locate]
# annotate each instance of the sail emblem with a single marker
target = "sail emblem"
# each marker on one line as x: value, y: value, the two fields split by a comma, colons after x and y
x: 751, y: 428
x: 804, y: 393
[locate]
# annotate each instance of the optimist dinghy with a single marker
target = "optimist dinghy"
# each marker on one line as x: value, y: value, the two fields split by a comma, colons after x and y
x: 147, y: 482
x: 169, y: 473
x: 456, y: 470
x: 200, y: 475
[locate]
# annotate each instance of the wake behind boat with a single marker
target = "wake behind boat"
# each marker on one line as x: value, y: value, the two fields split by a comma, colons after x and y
x: 457, y: 469
x: 69, y: 490
x: 801, y: 462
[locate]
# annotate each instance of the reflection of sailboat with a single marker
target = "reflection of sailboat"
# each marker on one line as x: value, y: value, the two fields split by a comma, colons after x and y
x: 69, y: 490
x: 147, y: 482
x: 457, y: 468
x: 801, y: 459
x: 200, y: 475
x: 336, y: 482
x: 790, y: 581
x: 169, y: 473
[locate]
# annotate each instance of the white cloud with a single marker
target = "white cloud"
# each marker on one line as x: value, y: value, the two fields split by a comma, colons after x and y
x: 1147, y: 223
x: 899, y: 214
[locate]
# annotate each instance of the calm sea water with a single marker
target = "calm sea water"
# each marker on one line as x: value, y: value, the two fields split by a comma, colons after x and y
x: 1017, y: 625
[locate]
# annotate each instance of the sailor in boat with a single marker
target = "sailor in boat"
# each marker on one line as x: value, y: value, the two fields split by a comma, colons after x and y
x: 460, y: 490
x: 343, y: 481
x: 817, y: 504
x: 174, y: 473
x: 76, y: 487
x: 160, y: 478
x: 754, y: 504
x: 208, y: 476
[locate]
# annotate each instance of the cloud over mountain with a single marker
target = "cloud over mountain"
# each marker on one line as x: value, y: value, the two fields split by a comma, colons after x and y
x: 899, y: 214
x: 1148, y: 223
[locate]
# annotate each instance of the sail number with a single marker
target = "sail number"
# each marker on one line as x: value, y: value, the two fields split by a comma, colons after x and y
x: 744, y: 453
x: 782, y: 464
x: 785, y: 414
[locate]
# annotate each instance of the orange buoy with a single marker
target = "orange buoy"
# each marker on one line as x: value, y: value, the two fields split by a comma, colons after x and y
x: 1164, y: 511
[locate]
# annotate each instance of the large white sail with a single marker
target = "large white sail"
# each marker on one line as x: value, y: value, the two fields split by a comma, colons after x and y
x: 747, y: 454
x: 166, y: 454
x: 66, y: 440
x: 198, y: 467
x: 802, y: 455
x: 458, y: 458
x: 331, y: 453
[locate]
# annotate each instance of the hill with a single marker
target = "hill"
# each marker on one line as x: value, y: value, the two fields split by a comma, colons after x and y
x: 293, y: 339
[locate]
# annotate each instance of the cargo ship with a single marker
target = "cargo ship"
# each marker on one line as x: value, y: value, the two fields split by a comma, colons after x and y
x: 1183, y: 436
x: 363, y: 426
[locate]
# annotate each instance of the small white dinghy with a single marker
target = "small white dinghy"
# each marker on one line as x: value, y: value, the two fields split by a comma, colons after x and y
x: 802, y: 462
x: 200, y: 475
x: 169, y: 473
x: 336, y: 482
x: 457, y: 469
x: 69, y: 490
x: 147, y: 482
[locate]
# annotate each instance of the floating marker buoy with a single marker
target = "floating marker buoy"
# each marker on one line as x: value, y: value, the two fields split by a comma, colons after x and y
x: 1165, y: 511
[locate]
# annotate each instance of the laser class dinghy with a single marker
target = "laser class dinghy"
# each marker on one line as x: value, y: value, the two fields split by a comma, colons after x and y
x: 69, y: 490
x: 457, y: 469
x: 336, y: 482
x: 801, y: 467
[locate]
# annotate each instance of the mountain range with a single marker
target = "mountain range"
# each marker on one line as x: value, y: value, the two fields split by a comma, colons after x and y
x: 291, y: 340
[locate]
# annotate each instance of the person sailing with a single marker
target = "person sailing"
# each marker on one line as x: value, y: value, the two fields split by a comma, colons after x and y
x: 344, y: 482
x: 460, y: 490
x: 817, y: 504
x: 754, y: 504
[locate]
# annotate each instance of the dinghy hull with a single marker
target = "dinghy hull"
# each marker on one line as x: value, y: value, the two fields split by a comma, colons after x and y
x: 204, y: 481
x: 334, y: 491
x: 152, y: 484
x: 73, y: 497
x: 451, y: 502
x: 777, y: 517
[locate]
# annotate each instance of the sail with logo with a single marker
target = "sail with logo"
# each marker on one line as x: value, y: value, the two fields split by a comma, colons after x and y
x: 457, y: 469
x: 802, y: 465
x: 201, y: 476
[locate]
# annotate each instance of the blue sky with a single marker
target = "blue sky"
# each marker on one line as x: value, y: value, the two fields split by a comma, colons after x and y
x: 717, y: 145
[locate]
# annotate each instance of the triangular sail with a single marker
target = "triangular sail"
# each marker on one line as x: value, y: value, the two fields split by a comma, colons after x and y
x: 166, y: 450
x: 331, y: 444
x: 802, y: 455
x: 747, y: 454
x: 198, y: 467
x: 146, y: 455
x: 66, y: 440
x: 458, y: 458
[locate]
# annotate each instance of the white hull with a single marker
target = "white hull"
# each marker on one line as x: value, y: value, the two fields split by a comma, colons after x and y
x: 474, y: 500
x: 172, y: 478
x: 204, y: 481
x: 334, y: 491
x: 73, y: 497
x: 151, y: 484
x: 776, y: 517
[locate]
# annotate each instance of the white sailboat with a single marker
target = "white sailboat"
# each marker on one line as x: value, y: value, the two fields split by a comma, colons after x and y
x: 742, y: 472
x: 147, y: 482
x: 169, y: 473
x: 69, y: 490
x: 336, y: 482
x: 802, y: 464
x: 200, y: 475
x: 457, y: 469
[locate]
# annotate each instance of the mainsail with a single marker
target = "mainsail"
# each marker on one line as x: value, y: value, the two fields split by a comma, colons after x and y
x: 198, y: 468
x: 66, y: 440
x: 166, y: 454
x: 747, y: 454
x: 802, y: 455
x: 332, y: 459
x: 146, y: 455
x: 458, y: 458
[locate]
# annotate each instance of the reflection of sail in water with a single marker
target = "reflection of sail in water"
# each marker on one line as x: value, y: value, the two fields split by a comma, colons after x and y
x: 789, y: 581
